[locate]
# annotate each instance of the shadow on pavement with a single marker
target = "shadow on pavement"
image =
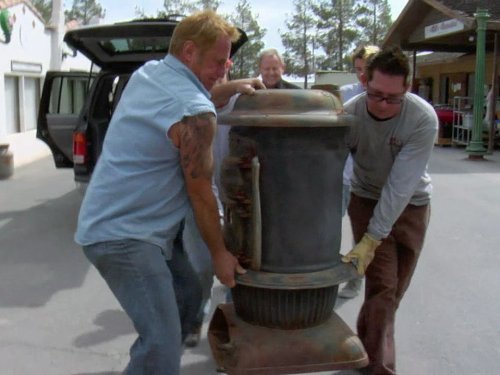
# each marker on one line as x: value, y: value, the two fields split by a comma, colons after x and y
x: 339, y: 302
x: 112, y: 323
x: 203, y: 362
x: 38, y: 256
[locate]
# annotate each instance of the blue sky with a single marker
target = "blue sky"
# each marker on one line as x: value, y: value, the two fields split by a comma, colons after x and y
x: 271, y: 15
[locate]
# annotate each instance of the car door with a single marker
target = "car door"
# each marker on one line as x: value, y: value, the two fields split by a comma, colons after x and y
x: 63, y: 97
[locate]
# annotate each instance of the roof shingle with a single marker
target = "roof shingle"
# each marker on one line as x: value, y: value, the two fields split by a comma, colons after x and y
x: 469, y: 7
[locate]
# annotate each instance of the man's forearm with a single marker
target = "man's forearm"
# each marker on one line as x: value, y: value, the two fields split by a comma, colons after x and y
x: 207, y: 218
x: 223, y: 92
x: 194, y: 135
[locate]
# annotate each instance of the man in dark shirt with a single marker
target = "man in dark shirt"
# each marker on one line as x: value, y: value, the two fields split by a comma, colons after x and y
x: 272, y: 67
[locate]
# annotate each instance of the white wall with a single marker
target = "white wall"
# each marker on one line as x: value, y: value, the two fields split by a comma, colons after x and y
x: 338, y: 78
x: 25, y: 56
x: 25, y: 60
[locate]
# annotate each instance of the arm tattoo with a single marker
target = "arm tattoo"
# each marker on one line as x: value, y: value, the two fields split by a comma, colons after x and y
x: 196, y: 144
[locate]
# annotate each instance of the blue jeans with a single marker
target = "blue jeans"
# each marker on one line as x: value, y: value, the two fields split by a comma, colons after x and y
x: 201, y: 261
x: 188, y: 286
x: 138, y: 275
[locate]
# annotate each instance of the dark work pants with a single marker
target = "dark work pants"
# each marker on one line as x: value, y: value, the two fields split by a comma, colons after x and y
x: 387, y: 278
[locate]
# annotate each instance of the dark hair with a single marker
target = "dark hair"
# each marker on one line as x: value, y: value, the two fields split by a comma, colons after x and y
x: 391, y: 61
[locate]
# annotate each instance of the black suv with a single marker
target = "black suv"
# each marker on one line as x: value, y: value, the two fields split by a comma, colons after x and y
x: 76, y: 107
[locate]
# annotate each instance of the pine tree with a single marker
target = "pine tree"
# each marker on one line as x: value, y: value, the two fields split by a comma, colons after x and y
x: 298, y: 41
x: 208, y: 4
x: 84, y: 11
x: 337, y: 31
x: 44, y: 7
x: 245, y: 60
x: 182, y: 7
x: 374, y: 17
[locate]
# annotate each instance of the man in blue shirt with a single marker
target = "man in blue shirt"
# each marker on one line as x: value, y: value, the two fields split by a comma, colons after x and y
x: 156, y: 161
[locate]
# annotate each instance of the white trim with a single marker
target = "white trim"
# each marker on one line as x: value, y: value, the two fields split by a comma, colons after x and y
x: 25, y: 66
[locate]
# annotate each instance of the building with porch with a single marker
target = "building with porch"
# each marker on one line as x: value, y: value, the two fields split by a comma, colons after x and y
x: 450, y: 30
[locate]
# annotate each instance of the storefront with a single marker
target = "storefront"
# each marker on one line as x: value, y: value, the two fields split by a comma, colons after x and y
x: 448, y: 79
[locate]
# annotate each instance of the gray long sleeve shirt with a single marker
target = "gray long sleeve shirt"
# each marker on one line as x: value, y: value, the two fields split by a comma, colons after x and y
x: 390, y: 159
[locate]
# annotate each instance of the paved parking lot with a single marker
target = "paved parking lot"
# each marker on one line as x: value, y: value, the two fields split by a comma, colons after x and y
x: 57, y: 316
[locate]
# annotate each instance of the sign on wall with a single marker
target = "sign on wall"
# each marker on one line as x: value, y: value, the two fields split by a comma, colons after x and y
x: 443, y: 28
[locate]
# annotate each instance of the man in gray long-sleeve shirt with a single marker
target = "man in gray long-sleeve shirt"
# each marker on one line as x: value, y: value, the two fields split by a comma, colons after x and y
x: 390, y: 195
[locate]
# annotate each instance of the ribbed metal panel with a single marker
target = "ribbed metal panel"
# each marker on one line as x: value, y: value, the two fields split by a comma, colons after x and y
x: 284, y: 309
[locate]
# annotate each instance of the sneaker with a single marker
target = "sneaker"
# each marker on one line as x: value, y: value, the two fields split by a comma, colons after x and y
x: 351, y: 288
x: 192, y: 339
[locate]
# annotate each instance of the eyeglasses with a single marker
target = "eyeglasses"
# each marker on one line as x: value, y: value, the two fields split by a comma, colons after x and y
x: 377, y: 98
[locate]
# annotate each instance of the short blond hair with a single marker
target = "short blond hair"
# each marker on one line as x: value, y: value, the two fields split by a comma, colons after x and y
x: 364, y: 53
x: 271, y: 52
x: 202, y: 28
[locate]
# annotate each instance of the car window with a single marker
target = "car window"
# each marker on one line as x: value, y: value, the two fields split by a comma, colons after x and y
x: 68, y: 95
x: 106, y: 95
x: 118, y: 87
x: 135, y: 45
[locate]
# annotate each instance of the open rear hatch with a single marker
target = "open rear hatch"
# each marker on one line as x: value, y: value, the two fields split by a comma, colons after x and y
x: 118, y: 48
x: 128, y: 44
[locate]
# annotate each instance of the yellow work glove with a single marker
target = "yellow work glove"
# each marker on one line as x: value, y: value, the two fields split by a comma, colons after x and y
x: 362, y: 254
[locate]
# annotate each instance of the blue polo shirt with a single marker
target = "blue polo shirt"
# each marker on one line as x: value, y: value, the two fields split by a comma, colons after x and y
x: 137, y: 189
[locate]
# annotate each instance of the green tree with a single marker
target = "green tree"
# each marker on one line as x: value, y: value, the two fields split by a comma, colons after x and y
x: 374, y: 17
x: 44, y: 7
x: 245, y: 60
x: 208, y: 4
x: 337, y: 31
x: 183, y: 7
x: 299, y: 40
x: 84, y: 11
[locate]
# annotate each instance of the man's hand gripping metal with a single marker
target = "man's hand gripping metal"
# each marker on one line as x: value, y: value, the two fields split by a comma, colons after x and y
x: 362, y: 254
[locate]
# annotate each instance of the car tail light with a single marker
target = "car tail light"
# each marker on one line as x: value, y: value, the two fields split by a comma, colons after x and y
x: 79, y: 148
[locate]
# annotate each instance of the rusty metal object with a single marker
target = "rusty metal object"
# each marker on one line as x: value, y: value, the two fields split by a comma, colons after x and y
x: 283, y: 198
x: 282, y: 308
x: 288, y: 109
x: 335, y: 275
x: 296, y: 135
x: 256, y: 216
x: 333, y: 89
x: 240, y: 348
x: 309, y: 298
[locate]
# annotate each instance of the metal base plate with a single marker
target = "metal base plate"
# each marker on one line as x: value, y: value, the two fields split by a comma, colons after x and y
x: 240, y: 348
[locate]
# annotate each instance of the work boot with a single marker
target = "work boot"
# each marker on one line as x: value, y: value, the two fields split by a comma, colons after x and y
x: 351, y: 288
